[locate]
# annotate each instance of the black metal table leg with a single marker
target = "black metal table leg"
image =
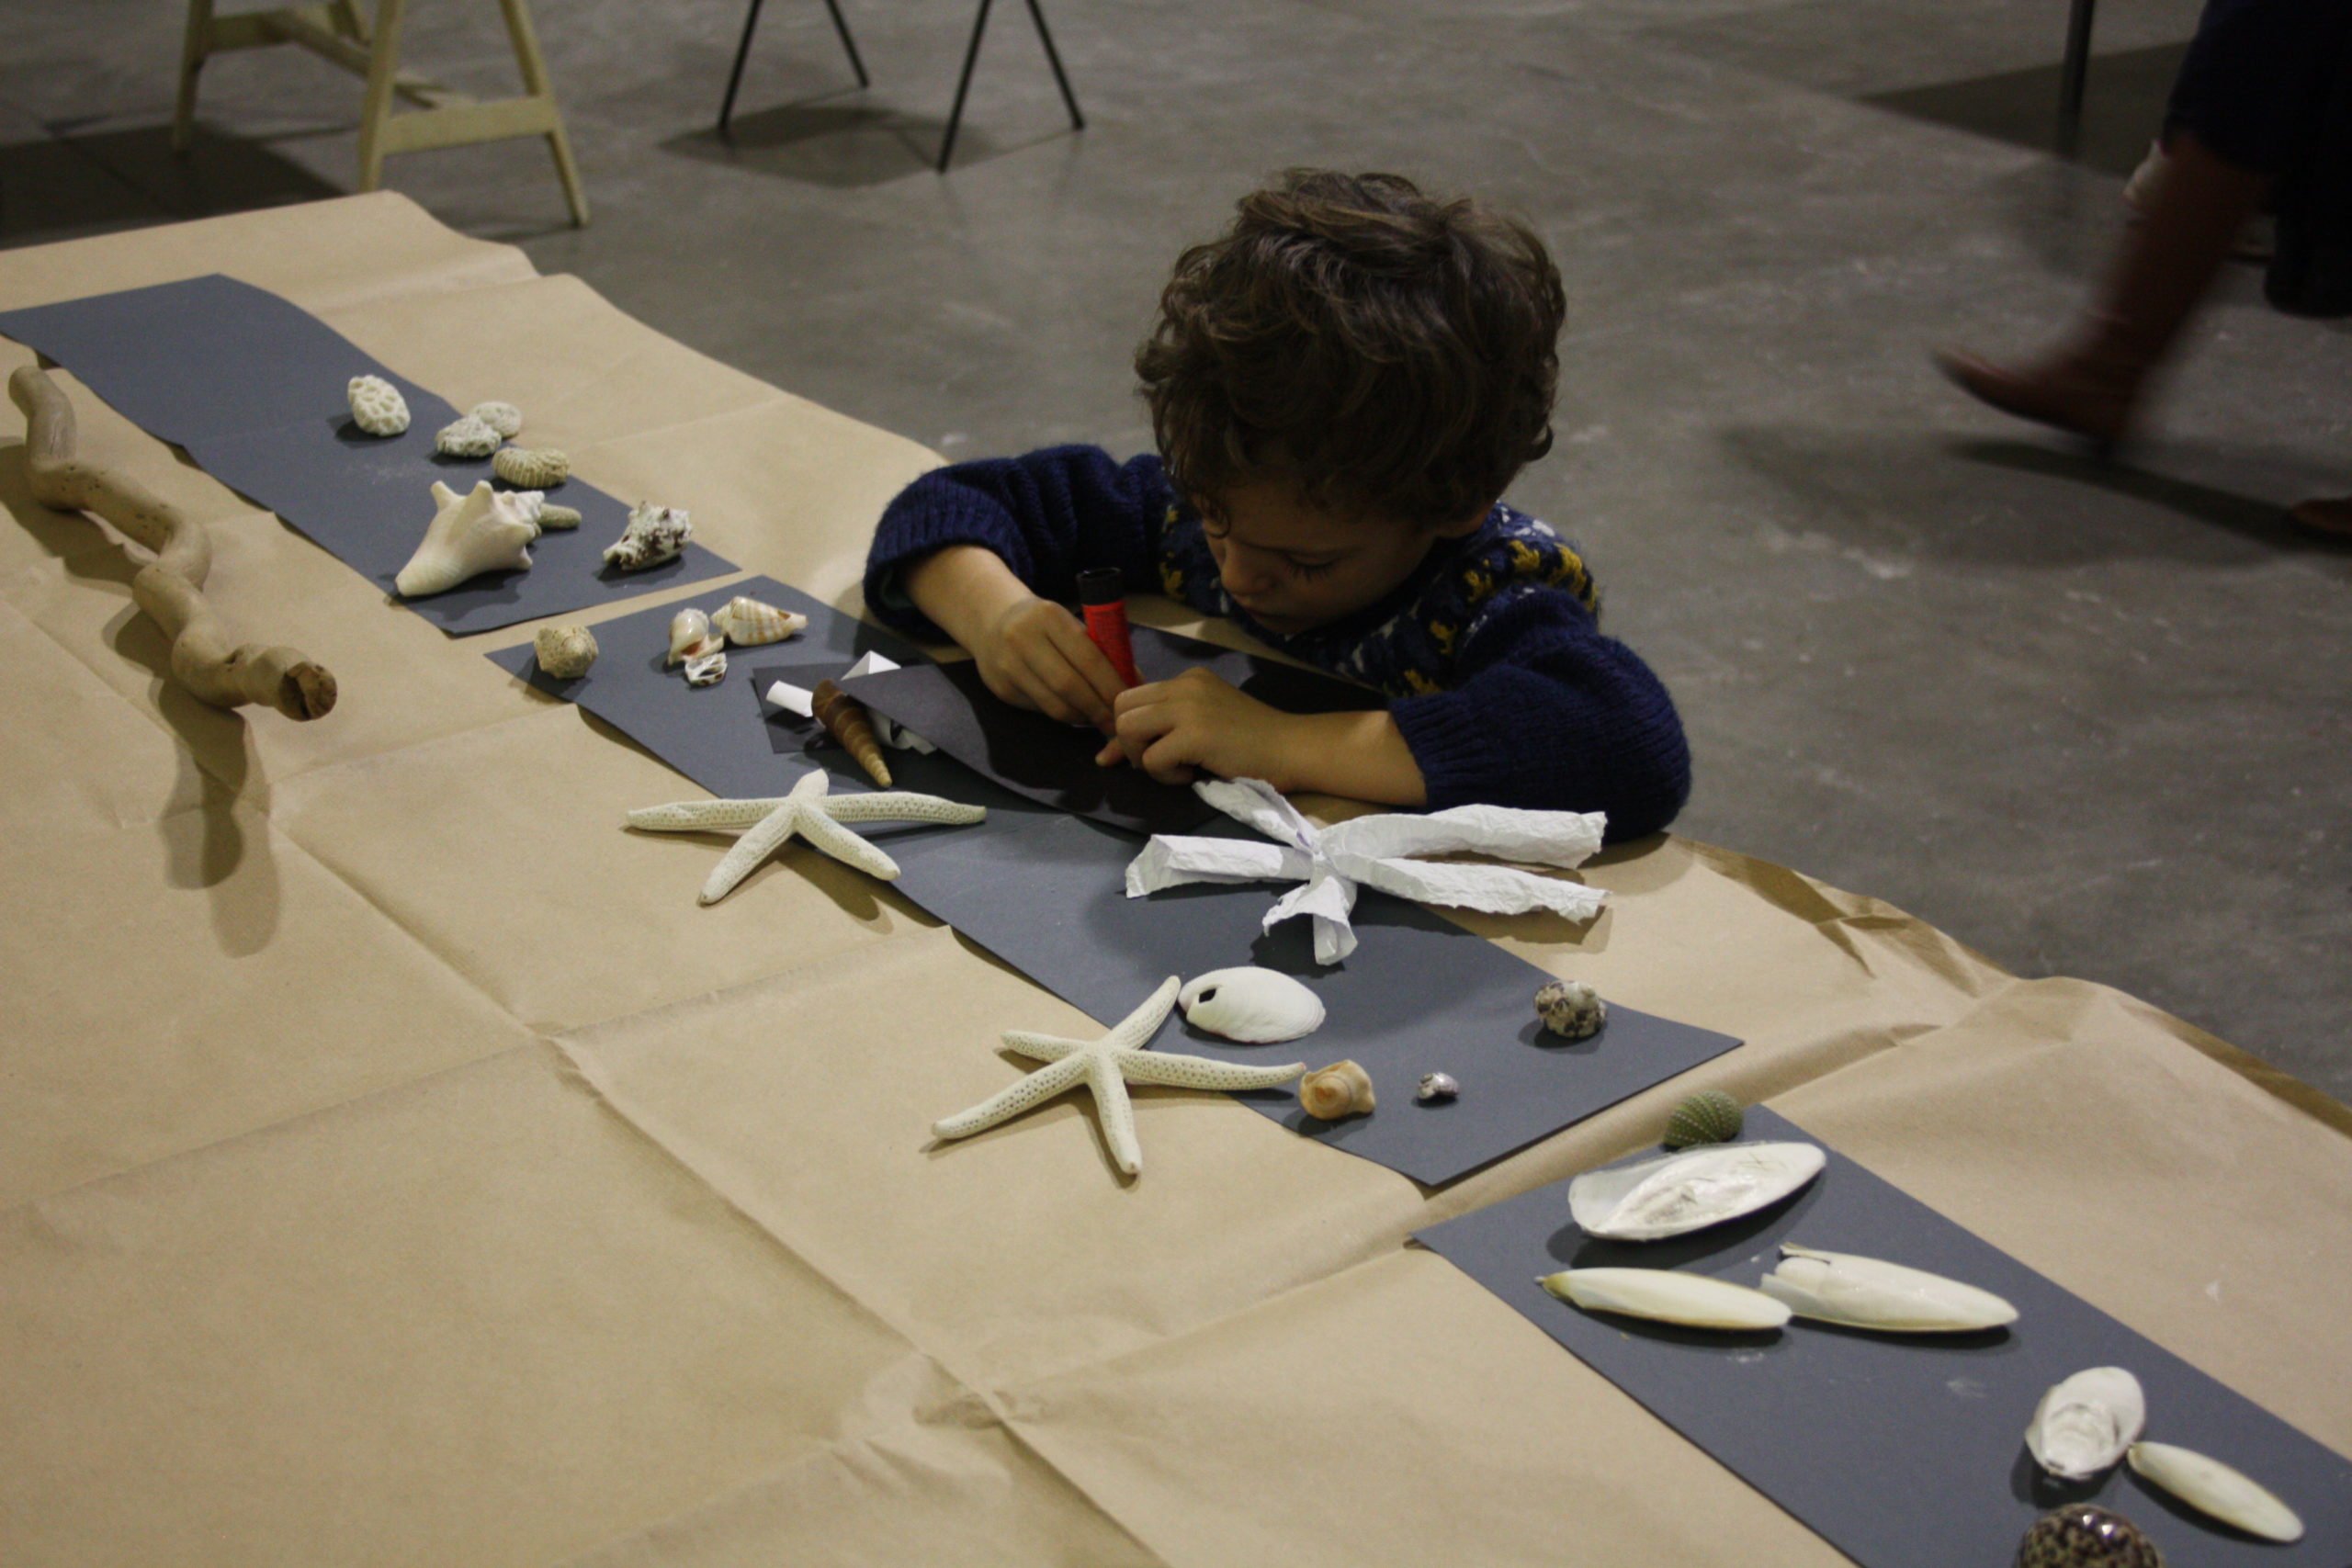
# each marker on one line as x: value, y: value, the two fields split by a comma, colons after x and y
x: 2073, y: 73
x: 840, y: 26
x: 1054, y: 58
x: 963, y: 85
x: 735, y: 77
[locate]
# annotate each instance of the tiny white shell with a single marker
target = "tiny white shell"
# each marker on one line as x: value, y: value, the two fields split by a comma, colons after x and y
x: 468, y: 437
x: 1254, y: 1006
x: 1668, y: 1295
x: 504, y: 418
x: 2084, y: 1423
x: 2212, y: 1488
x: 377, y: 406
x: 1864, y: 1293
x: 690, y: 636
x: 1436, y: 1089
x: 747, y: 622
x: 706, y: 669
x: 1691, y: 1190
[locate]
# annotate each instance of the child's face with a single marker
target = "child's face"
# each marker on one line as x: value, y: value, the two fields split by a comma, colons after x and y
x: 1293, y: 567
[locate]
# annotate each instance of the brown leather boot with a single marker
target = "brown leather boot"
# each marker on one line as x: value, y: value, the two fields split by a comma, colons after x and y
x: 2093, y: 383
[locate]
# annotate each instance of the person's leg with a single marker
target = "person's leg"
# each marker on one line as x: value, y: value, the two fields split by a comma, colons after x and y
x: 2094, y: 382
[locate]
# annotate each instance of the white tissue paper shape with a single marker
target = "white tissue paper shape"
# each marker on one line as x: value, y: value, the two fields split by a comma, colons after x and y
x: 1328, y: 864
x: 792, y: 699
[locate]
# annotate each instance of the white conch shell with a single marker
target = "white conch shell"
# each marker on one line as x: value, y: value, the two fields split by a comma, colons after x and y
x: 1865, y: 1292
x: 655, y: 534
x: 377, y: 406
x: 504, y: 418
x: 2212, y: 1488
x: 1691, y: 1190
x: 1254, y: 1006
x: 706, y: 669
x: 747, y: 622
x: 467, y: 437
x: 483, y: 530
x: 531, y: 468
x: 2084, y: 1423
x: 564, y: 651
x: 690, y: 636
x: 1695, y: 1300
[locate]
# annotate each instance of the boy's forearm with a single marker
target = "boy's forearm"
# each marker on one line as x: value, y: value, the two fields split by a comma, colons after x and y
x: 1362, y: 756
x: 964, y: 588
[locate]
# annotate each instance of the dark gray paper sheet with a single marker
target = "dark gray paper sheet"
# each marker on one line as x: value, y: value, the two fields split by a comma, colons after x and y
x: 1045, y: 892
x: 254, y: 388
x: 1053, y: 763
x: 1901, y: 1451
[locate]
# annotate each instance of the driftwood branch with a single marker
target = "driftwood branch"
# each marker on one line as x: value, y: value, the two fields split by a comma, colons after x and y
x: 171, y: 588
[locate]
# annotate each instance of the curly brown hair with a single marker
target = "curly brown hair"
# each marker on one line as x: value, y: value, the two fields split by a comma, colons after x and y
x: 1386, y: 352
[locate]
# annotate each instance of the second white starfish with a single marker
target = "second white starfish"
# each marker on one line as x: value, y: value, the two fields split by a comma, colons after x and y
x: 1107, y: 1065
x: 809, y: 812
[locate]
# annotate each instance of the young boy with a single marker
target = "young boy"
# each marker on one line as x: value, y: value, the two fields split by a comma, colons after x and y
x: 1341, y: 386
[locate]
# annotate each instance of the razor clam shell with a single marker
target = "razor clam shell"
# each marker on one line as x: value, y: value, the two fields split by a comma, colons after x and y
x: 1869, y: 1292
x: 2085, y: 1422
x: 1691, y: 1190
x: 1668, y: 1295
x: 1254, y: 1006
x: 2211, y: 1487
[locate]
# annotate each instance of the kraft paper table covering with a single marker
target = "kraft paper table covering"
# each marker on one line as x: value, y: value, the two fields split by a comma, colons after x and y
x: 688, y: 1284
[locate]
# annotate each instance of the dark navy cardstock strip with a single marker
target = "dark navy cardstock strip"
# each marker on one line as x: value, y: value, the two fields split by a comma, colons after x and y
x: 1901, y: 1451
x: 1054, y: 763
x: 254, y: 388
x: 1045, y: 892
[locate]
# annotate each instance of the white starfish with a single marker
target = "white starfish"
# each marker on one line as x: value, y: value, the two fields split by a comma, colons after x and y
x: 809, y: 811
x: 1107, y: 1065
x: 1376, y: 850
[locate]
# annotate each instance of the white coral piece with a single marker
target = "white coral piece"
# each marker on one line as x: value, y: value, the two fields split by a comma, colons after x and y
x: 655, y: 534
x: 565, y: 652
x: 552, y: 516
x: 531, y: 468
x: 504, y: 418
x: 483, y: 530
x: 377, y: 406
x: 467, y: 437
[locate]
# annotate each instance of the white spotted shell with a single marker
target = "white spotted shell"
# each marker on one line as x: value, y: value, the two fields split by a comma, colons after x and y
x: 565, y: 652
x: 468, y: 437
x: 377, y: 406
x: 747, y: 622
x: 504, y: 418
x: 1254, y: 1006
x: 531, y: 468
x: 655, y: 534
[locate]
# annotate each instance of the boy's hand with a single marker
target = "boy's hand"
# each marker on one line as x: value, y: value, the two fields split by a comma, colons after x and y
x: 1199, y: 720
x: 1035, y: 654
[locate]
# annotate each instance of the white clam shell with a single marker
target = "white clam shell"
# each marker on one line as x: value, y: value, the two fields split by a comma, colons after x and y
x: 2211, y: 1487
x: 1254, y: 1006
x: 1867, y: 1292
x: 377, y: 406
x: 1668, y: 1295
x: 2084, y: 1423
x: 1691, y: 1190
x: 483, y: 530
x: 747, y: 622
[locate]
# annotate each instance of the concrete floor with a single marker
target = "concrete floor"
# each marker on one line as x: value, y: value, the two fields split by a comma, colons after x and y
x: 2093, y: 722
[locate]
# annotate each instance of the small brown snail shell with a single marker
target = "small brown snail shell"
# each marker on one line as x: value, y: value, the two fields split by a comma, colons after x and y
x: 1340, y: 1090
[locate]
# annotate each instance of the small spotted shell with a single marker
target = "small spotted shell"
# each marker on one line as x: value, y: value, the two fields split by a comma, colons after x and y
x: 2083, y: 1535
x: 1571, y: 1010
x: 377, y: 406
x: 468, y: 437
x: 565, y: 652
x: 531, y: 468
x: 1340, y: 1090
x: 1710, y: 1116
x: 747, y: 622
x: 504, y: 418
x: 655, y: 534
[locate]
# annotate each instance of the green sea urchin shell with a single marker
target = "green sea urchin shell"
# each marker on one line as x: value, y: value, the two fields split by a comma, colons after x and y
x: 2083, y: 1536
x: 1710, y: 1116
x: 1571, y: 1010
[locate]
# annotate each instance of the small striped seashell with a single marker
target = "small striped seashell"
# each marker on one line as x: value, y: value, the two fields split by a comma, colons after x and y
x: 1571, y: 1010
x: 747, y: 622
x: 377, y: 406
x: 504, y: 418
x: 690, y: 636
x: 565, y: 652
x: 655, y: 534
x: 706, y: 669
x: 1343, y: 1088
x: 554, y: 516
x: 1710, y: 1116
x: 468, y: 437
x: 531, y: 468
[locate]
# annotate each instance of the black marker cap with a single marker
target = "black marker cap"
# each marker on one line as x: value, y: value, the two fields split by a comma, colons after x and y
x: 1100, y: 585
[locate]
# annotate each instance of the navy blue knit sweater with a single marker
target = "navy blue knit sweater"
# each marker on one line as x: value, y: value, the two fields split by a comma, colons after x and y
x: 1503, y: 686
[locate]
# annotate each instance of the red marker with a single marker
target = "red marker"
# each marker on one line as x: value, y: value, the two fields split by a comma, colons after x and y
x: 1104, y: 603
